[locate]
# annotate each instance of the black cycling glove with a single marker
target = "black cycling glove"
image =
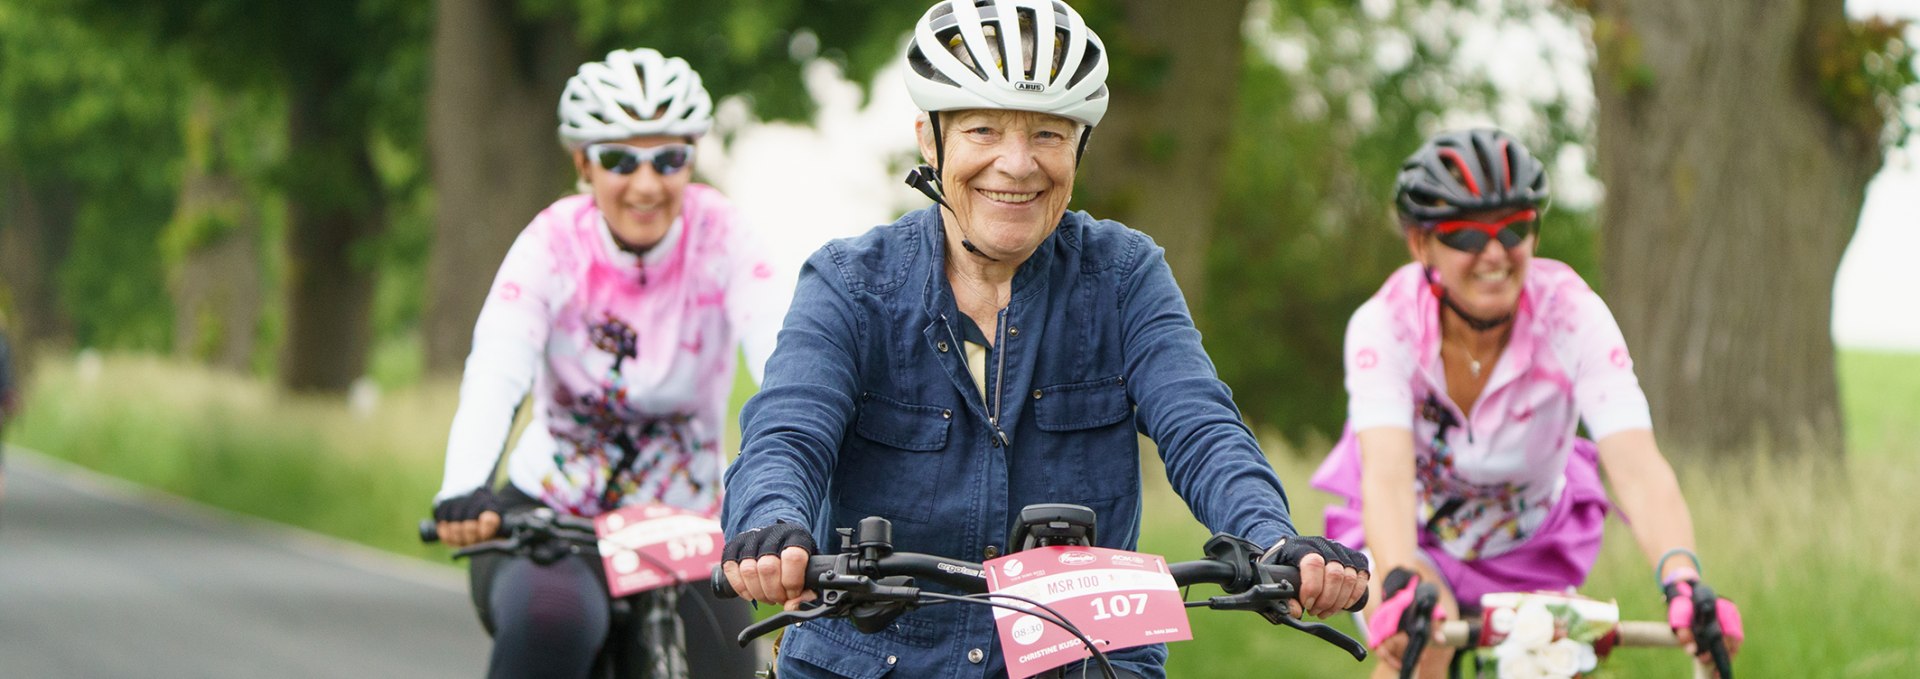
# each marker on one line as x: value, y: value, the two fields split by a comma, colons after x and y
x: 1289, y: 552
x: 768, y: 540
x: 467, y: 507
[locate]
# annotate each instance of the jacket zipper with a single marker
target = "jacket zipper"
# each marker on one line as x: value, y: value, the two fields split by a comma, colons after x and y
x: 999, y: 378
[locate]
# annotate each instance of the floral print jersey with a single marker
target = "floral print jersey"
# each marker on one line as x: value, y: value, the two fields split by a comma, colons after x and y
x: 1486, y: 483
x: 629, y: 358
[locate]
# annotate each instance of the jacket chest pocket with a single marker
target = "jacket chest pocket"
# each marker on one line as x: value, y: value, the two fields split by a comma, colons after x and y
x: 1082, y: 405
x: 1089, y: 420
x: 893, y: 464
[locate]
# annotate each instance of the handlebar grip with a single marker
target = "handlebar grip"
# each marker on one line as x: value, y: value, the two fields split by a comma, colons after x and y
x: 721, y: 588
x: 429, y: 531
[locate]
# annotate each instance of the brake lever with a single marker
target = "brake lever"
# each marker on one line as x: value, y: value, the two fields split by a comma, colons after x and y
x: 1329, y: 635
x: 1264, y: 599
x: 784, y: 618
x: 1417, y: 622
x: 848, y: 594
x: 502, y: 545
x: 1258, y: 598
x: 1707, y: 632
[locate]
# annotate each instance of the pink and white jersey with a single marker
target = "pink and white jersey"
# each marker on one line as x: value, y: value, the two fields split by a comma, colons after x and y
x: 626, y: 356
x: 1486, y: 482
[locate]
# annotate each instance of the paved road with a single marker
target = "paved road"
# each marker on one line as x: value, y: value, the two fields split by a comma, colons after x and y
x: 99, y: 580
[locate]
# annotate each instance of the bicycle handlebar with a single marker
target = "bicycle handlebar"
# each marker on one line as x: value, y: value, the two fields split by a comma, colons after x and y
x: 970, y: 577
x: 847, y: 580
x: 521, y: 529
x: 1635, y: 633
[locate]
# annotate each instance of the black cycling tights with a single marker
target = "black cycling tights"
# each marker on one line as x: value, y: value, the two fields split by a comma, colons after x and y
x: 550, y: 620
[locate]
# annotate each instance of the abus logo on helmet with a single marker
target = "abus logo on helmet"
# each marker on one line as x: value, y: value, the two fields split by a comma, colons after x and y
x: 1076, y: 558
x: 1029, y: 86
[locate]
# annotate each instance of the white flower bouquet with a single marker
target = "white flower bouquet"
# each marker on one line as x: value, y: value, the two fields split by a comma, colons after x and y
x: 1543, y: 635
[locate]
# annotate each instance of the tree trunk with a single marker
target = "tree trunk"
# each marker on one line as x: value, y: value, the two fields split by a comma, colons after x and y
x: 34, y: 240
x: 1154, y: 162
x: 1731, y: 193
x: 215, y: 276
x: 496, y: 161
x: 333, y: 205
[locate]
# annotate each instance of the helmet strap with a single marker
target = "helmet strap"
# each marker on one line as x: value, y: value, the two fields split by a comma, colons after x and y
x: 1478, y: 324
x: 927, y: 181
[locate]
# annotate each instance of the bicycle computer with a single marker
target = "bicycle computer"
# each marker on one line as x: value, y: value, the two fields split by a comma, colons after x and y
x: 1048, y: 525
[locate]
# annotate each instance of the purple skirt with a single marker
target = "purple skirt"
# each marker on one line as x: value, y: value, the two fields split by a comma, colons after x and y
x: 1557, y: 556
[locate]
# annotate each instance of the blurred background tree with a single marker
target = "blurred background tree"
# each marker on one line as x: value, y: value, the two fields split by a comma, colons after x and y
x: 320, y: 191
x: 1736, y: 146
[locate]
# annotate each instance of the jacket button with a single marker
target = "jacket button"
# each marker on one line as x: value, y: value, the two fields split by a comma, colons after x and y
x: 942, y: 346
x: 1013, y: 331
x: 990, y: 552
x: 1036, y: 394
x: 892, y: 659
x: 975, y: 656
x: 946, y: 414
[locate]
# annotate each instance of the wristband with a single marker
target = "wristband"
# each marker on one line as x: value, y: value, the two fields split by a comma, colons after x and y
x: 1660, y: 564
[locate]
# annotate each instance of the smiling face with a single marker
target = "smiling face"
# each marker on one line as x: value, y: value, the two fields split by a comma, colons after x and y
x: 1487, y: 284
x: 1008, y: 176
x: 640, y: 206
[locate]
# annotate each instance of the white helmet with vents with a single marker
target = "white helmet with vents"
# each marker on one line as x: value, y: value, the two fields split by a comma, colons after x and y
x: 633, y: 93
x: 981, y: 54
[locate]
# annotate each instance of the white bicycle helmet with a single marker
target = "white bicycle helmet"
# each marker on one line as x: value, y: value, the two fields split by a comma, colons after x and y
x: 633, y: 93
x: 963, y: 56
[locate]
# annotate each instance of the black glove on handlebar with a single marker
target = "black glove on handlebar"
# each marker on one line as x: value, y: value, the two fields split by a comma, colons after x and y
x: 1291, y: 550
x: 768, y: 540
x: 467, y: 507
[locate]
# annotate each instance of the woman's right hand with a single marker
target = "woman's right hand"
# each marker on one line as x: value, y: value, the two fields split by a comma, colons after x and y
x: 467, y: 519
x: 769, y: 564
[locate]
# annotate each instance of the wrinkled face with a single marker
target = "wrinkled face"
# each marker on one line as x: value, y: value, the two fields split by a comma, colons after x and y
x: 642, y: 204
x: 1008, y: 176
x: 1486, y: 284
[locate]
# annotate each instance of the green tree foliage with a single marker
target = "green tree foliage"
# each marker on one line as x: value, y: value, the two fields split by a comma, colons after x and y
x: 92, y: 120
x: 351, y: 74
x: 752, y: 48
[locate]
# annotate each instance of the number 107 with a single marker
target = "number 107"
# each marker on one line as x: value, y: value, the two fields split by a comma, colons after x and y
x: 1119, y: 606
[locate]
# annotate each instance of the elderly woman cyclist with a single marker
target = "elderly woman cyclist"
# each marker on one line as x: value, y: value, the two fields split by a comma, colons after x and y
x: 620, y: 309
x: 986, y: 353
x: 1467, y: 373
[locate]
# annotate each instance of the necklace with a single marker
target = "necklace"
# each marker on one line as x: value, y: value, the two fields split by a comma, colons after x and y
x: 1473, y: 364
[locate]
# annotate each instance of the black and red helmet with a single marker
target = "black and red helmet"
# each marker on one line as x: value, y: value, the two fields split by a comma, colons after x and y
x: 1466, y: 172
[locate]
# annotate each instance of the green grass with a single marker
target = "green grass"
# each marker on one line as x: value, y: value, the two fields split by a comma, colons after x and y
x: 1814, y: 568
x: 1880, y: 394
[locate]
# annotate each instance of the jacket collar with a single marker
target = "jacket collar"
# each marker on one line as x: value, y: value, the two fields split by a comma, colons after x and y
x: 928, y: 234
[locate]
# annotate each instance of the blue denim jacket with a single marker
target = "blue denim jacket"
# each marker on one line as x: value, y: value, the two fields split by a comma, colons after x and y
x: 868, y: 409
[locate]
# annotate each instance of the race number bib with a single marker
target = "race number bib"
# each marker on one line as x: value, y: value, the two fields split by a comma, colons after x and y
x: 654, y: 546
x: 1118, y: 599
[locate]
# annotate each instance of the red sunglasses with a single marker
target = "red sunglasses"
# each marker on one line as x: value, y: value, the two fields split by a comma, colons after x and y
x: 1471, y: 236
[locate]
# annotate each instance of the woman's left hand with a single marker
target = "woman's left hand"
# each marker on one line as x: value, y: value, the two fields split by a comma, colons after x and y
x: 1680, y: 617
x: 1333, y: 578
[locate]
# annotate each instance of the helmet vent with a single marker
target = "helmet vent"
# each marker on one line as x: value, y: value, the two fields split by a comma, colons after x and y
x: 1088, y: 60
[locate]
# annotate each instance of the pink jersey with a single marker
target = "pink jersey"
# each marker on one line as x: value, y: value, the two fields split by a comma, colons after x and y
x: 1486, y: 483
x: 625, y: 355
